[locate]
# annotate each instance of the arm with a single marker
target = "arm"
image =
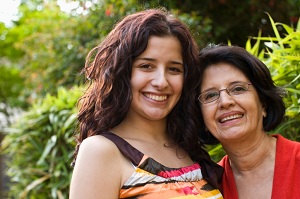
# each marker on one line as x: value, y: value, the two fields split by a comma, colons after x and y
x: 97, y: 172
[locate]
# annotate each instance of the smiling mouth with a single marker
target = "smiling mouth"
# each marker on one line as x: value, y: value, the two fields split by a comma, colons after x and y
x: 159, y: 98
x: 231, y: 117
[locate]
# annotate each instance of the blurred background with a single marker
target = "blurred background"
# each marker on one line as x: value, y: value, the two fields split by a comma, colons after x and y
x: 43, y: 45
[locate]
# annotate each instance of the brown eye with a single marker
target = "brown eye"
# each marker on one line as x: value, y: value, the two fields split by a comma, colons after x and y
x: 145, y: 66
x: 238, y: 88
x: 175, y: 69
x: 209, y: 96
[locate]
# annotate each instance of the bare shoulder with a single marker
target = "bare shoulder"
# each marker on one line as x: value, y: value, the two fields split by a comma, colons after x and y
x: 97, y: 146
x: 98, y: 151
x: 98, y: 169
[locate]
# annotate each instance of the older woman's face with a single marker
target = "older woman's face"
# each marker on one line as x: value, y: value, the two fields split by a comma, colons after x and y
x: 231, y: 117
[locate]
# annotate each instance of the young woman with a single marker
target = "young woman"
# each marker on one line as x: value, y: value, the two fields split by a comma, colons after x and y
x: 138, y: 134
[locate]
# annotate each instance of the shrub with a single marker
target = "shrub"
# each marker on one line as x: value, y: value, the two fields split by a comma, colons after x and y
x: 282, y: 56
x: 40, y: 147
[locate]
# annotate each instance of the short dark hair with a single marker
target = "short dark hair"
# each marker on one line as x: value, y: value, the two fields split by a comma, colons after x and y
x: 259, y: 75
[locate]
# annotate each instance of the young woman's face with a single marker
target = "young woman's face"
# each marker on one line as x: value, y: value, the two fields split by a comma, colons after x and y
x: 232, y: 117
x: 157, y: 78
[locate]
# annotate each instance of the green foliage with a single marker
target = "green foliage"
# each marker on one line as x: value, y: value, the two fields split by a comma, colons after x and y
x: 199, y: 26
x: 40, y: 148
x: 284, y: 63
x: 235, y: 20
x: 52, y: 56
x: 216, y: 152
x: 282, y: 56
x: 11, y: 85
x: 8, y: 38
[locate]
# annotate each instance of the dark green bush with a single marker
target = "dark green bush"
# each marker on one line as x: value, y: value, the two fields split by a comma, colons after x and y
x: 40, y: 147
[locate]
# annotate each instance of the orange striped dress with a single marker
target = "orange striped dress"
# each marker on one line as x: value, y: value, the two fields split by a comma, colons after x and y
x: 153, y: 180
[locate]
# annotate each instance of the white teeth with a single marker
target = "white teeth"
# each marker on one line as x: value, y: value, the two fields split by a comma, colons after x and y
x: 156, y: 97
x: 231, y: 117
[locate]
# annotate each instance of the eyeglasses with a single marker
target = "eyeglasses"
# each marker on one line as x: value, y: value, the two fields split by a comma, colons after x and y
x: 233, y: 89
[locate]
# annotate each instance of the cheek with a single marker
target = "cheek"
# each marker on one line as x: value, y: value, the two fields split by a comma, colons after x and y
x: 137, y: 81
x: 177, y: 84
x: 179, y: 87
x: 208, y: 115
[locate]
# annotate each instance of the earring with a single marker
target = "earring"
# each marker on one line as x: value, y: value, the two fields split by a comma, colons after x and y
x: 264, y: 114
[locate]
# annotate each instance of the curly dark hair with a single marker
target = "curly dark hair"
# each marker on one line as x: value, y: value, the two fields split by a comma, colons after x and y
x: 107, y: 98
x: 258, y: 74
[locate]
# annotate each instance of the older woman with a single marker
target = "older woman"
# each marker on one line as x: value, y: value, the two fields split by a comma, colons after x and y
x: 240, y: 104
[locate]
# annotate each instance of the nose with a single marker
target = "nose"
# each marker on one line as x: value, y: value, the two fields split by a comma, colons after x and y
x: 225, y: 100
x: 159, y: 79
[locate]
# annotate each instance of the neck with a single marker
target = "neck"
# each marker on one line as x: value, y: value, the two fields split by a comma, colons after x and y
x: 251, y: 154
x: 139, y: 128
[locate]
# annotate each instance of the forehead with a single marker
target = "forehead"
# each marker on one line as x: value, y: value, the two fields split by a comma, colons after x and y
x: 222, y: 74
x: 166, y: 47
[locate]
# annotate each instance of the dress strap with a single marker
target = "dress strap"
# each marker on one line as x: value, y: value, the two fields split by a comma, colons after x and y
x: 134, y: 155
x: 212, y: 172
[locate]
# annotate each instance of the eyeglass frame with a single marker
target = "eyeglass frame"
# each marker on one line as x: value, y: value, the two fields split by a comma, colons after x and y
x: 227, y: 91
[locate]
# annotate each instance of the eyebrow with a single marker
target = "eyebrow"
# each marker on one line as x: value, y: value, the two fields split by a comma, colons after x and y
x: 151, y: 59
x: 214, y: 88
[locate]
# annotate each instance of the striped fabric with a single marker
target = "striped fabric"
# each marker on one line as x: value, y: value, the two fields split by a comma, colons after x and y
x: 152, y: 180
